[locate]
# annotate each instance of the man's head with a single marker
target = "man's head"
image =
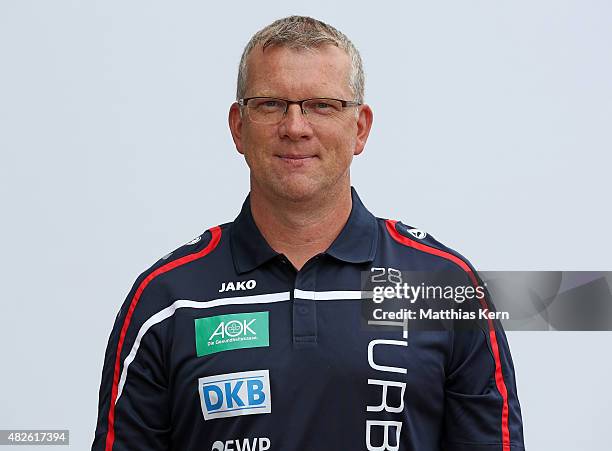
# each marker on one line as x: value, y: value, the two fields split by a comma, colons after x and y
x: 298, y: 156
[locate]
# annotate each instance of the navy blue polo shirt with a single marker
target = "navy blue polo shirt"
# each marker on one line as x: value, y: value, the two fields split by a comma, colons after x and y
x: 223, y: 345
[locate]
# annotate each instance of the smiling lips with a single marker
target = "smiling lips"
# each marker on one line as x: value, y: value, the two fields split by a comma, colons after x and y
x: 296, y: 160
x: 296, y: 157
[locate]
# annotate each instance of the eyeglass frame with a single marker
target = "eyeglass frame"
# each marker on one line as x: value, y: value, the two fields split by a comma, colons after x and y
x: 345, y: 103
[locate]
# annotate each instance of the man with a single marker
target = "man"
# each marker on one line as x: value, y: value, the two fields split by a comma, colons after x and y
x: 253, y: 336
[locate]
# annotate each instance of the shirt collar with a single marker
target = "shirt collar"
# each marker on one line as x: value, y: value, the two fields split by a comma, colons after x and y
x: 356, y: 243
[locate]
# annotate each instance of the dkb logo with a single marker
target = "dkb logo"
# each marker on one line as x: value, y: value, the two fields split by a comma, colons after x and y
x: 233, y: 394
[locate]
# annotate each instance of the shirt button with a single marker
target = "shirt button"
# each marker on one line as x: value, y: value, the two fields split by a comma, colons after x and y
x: 302, y: 309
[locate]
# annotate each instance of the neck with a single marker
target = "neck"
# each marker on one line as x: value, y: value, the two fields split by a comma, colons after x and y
x: 301, y: 229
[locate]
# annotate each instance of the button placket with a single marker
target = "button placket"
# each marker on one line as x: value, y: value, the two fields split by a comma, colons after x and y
x: 305, y: 310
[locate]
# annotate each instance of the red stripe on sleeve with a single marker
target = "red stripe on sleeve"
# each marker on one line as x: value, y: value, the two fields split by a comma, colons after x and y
x: 499, y: 377
x: 216, y: 236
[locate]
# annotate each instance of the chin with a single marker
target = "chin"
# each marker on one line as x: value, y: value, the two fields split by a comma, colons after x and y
x: 297, y: 191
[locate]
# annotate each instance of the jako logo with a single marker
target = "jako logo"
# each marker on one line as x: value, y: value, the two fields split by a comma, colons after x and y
x: 194, y: 241
x: 417, y: 233
x: 236, y: 286
x: 234, y: 394
x: 258, y: 444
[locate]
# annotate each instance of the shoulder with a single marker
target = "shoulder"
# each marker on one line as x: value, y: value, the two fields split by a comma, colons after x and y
x: 155, y: 288
x: 198, y: 252
x: 197, y: 248
x: 422, y: 243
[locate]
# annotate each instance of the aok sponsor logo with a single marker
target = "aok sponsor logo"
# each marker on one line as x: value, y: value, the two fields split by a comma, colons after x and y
x: 245, y: 444
x: 235, y: 331
x: 235, y: 394
x: 240, y: 285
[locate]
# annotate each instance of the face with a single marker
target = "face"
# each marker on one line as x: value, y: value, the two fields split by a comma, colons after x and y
x: 295, y: 160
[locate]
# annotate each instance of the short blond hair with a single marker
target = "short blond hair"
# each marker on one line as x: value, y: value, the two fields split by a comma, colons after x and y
x: 301, y: 32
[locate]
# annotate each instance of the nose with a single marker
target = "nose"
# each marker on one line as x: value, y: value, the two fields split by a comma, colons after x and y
x: 294, y: 125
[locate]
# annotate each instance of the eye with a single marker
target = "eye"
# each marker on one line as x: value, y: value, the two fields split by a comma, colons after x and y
x: 269, y: 105
x: 323, y: 106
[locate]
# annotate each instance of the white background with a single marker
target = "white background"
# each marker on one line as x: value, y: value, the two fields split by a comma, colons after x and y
x: 492, y: 131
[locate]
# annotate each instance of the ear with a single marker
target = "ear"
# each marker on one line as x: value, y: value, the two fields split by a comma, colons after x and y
x: 364, y: 124
x: 235, y: 125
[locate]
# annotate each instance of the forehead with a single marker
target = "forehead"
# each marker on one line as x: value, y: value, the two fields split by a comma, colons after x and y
x: 298, y: 73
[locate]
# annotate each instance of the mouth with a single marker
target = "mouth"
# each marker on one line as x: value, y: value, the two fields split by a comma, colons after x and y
x: 296, y: 160
x: 296, y: 157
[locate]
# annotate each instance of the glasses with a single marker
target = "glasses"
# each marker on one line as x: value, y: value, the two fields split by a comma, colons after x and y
x: 270, y: 110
